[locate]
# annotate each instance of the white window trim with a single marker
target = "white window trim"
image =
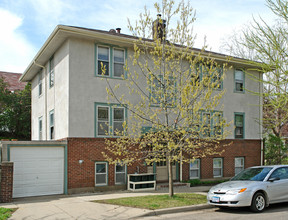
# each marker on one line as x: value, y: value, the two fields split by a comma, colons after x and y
x: 198, y: 169
x: 40, y: 84
x: 125, y: 173
x: 113, y: 71
x: 109, y: 61
x: 40, y: 119
x: 51, y: 125
x: 112, y: 119
x: 109, y: 126
x: 51, y: 71
x: 242, y: 167
x: 106, y: 179
x: 239, y: 81
x: 218, y: 158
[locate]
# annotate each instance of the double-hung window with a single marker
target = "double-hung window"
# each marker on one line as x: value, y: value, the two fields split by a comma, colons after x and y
x: 120, y: 174
x: 40, y: 83
x: 211, y: 74
x: 110, y: 120
x: 217, y: 127
x: 118, y: 120
x: 195, y: 169
x: 51, y: 125
x: 217, y: 167
x: 51, y: 72
x: 101, y: 173
x: 239, y: 125
x: 40, y: 128
x: 239, y: 164
x: 119, y: 60
x: 239, y: 80
x: 110, y: 61
x: 206, y: 120
x: 162, y: 91
x: 103, y: 61
x: 103, y: 120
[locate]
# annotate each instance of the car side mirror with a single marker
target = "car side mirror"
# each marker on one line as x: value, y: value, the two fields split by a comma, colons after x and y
x: 273, y: 179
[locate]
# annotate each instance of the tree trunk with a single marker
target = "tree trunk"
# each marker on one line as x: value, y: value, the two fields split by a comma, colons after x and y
x: 171, y: 190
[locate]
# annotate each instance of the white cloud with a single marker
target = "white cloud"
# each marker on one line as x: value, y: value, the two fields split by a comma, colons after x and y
x: 16, y: 52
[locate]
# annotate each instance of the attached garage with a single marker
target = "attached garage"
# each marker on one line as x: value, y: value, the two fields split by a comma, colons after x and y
x: 38, y: 170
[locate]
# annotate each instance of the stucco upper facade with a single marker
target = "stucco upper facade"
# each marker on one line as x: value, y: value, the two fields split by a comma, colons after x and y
x: 77, y: 87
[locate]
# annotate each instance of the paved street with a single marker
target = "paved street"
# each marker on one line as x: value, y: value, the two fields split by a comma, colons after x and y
x: 279, y: 212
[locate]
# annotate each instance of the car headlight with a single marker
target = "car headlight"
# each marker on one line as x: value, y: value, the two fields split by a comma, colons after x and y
x: 235, y: 191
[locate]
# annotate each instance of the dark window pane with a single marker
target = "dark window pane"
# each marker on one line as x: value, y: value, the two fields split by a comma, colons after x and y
x: 105, y: 69
x: 100, y: 168
x: 101, y: 179
x: 103, y: 128
x: 118, y: 114
x: 103, y: 113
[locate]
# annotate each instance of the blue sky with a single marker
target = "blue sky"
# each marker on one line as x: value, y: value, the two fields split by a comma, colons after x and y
x: 26, y: 24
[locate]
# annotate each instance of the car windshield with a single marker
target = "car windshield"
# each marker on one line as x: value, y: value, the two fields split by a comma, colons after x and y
x: 253, y: 174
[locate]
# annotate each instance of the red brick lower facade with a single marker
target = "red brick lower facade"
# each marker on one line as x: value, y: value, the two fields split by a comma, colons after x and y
x: 250, y: 150
x: 81, y: 177
x: 6, y: 191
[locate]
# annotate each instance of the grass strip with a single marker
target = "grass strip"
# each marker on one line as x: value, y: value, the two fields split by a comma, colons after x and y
x: 158, y: 201
x: 5, y: 213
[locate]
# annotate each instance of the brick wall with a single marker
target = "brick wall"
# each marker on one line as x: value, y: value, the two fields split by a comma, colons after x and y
x: 6, y: 191
x: 90, y: 151
x: 249, y: 149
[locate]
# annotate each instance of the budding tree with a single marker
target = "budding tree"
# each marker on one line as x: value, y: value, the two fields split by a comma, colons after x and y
x: 174, y: 95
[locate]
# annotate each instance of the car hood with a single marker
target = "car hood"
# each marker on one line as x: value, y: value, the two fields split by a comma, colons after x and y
x: 230, y: 185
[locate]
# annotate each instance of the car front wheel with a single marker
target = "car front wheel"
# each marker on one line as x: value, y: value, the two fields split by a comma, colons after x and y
x: 258, y: 202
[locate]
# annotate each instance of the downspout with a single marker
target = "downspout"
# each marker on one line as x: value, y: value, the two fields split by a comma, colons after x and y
x: 45, y: 96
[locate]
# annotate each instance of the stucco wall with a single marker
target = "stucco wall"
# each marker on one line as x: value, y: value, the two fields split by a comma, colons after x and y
x: 54, y: 98
x: 79, y: 90
x: 86, y: 89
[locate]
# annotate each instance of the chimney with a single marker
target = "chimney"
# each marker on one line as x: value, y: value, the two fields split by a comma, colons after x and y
x: 118, y: 30
x: 159, y: 26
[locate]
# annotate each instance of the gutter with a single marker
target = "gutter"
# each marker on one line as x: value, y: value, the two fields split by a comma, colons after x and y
x: 125, y: 39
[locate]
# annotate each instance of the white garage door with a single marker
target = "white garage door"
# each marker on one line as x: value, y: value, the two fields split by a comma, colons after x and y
x: 37, y: 171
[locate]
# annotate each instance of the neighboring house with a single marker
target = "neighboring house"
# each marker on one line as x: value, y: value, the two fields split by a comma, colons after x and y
x: 69, y: 95
x: 12, y: 79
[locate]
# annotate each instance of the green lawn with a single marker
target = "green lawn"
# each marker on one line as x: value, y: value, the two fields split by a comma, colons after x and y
x: 5, y: 213
x: 158, y: 201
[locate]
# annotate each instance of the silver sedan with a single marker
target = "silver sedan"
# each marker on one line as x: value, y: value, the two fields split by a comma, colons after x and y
x: 256, y: 187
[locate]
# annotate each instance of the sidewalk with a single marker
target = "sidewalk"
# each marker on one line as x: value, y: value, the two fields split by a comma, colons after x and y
x: 80, y: 206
